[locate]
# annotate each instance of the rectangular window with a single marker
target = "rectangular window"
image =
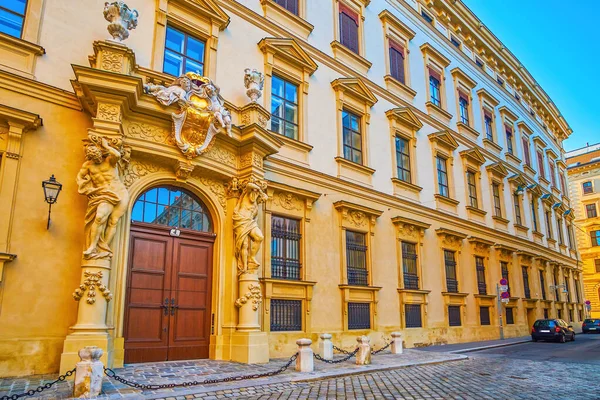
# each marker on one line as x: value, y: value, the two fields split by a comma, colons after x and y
x: 567, y: 285
x: 12, y: 16
x: 285, y: 248
x: 549, y: 224
x: 559, y: 227
x: 546, y: 315
x: 563, y: 185
x: 352, y: 137
x: 412, y: 316
x: 570, y: 315
x: 479, y: 63
x: 517, y: 201
x: 427, y: 17
x: 183, y: 53
x: 543, y: 285
x: 591, y: 211
x: 454, y: 316
x: 570, y: 235
x: 409, y: 266
x: 359, y: 316
x: 526, y: 290
x: 397, y: 61
x: 463, y: 105
x: 526, y: 153
x: 577, y: 291
x: 500, y: 81
x: 597, y: 265
x: 534, y: 215
x: 497, y: 203
x: 489, y: 125
x: 484, y: 315
x: 540, y: 158
x: 472, y: 189
x: 552, y: 172
x: 559, y: 314
x: 509, y: 316
x: 454, y: 40
x: 480, y: 267
x: 595, y: 236
x: 587, y: 187
x: 284, y: 107
x: 451, y: 277
x: 442, y: 175
x: 290, y: 5
x: 509, y: 140
x: 356, y: 258
x: 504, y: 268
x: 286, y: 315
x: 434, y: 88
x: 349, y: 28
x: 403, y: 159
x: 555, y: 278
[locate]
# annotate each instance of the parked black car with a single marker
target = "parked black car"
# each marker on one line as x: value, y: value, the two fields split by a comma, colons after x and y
x: 591, y: 325
x: 552, y: 329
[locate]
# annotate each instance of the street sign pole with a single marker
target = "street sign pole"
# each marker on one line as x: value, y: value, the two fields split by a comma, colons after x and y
x: 500, y: 312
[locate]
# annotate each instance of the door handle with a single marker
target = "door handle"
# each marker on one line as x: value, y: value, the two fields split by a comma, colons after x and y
x: 166, y: 306
x: 173, y: 306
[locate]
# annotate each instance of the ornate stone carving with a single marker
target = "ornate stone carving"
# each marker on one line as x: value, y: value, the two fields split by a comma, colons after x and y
x: 183, y: 170
x: 112, y: 62
x: 254, y: 81
x: 248, y: 236
x: 410, y: 231
x: 122, y: 19
x: 222, y: 155
x: 202, y: 113
x: 254, y: 295
x: 138, y: 169
x: 99, y: 180
x: 92, y: 281
x: 109, y: 112
x: 150, y: 132
x: 356, y: 218
x: 288, y: 201
x: 249, y: 159
x: 218, y: 190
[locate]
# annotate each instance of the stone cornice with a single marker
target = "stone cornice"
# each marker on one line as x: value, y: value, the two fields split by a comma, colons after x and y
x: 38, y: 90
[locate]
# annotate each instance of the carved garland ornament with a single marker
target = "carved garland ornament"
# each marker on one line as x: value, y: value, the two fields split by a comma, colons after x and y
x: 288, y: 201
x: 91, y: 281
x: 112, y: 62
x: 150, y: 132
x: 138, y: 169
x: 356, y: 218
x: 253, y: 294
x: 109, y: 112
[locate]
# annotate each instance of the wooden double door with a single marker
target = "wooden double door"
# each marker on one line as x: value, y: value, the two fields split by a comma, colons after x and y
x: 168, y: 301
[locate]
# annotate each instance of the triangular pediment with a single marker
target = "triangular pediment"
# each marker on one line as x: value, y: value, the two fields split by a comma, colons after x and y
x: 444, y: 139
x: 209, y: 9
x: 355, y: 87
x: 518, y: 180
x: 289, y: 50
x: 405, y: 116
x: 497, y: 169
x: 473, y: 155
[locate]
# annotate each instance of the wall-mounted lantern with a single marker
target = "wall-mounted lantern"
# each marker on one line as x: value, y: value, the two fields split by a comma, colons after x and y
x: 52, y: 189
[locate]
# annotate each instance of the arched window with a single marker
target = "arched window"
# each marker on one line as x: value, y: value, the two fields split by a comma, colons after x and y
x: 171, y: 206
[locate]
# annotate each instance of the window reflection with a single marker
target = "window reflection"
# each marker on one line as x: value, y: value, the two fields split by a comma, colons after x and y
x: 171, y: 207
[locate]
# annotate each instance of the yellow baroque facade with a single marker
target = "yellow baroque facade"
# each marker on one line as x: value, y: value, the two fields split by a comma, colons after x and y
x: 584, y: 180
x: 374, y: 182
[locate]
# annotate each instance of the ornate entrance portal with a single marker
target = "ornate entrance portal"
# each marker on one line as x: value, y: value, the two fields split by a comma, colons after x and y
x: 168, y: 301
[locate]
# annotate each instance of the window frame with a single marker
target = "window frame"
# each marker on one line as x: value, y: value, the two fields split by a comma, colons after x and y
x: 584, y: 187
x: 452, y: 283
x: 273, y: 314
x: 483, y: 321
x: 415, y: 258
x: 23, y: 16
x: 300, y: 246
x: 497, y: 198
x: 595, y: 238
x: 472, y: 188
x: 480, y: 275
x: 284, y: 100
x: 587, y: 210
x: 353, y: 132
x: 402, y: 156
x: 187, y: 33
x: 361, y: 249
x: 406, y: 320
x: 455, y: 309
x: 442, y: 186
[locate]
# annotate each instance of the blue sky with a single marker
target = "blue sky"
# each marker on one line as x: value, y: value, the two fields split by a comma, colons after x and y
x: 559, y: 43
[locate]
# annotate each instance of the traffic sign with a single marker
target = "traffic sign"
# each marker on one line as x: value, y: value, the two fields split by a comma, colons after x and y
x: 588, y: 302
x: 505, y: 300
x: 503, y: 288
x: 504, y: 295
x: 588, y: 307
x: 503, y: 282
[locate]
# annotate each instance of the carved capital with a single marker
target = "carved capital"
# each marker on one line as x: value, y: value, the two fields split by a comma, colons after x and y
x: 450, y: 238
x: 183, y: 170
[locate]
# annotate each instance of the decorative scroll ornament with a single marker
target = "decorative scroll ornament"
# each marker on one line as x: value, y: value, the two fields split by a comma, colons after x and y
x: 254, y: 81
x: 99, y: 179
x: 254, y: 295
x: 202, y: 113
x: 92, y: 281
x: 122, y: 19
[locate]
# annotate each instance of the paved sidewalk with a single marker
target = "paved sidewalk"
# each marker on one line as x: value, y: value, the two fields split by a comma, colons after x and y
x: 459, y: 348
x: 182, y: 371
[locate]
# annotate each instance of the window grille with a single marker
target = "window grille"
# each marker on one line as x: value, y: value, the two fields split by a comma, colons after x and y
x: 454, y: 316
x: 286, y: 315
x: 359, y: 316
x: 526, y: 283
x: 285, y: 248
x: 290, y: 5
x: 484, y: 315
x: 543, y: 285
x: 504, y: 268
x: 412, y: 316
x: 480, y: 267
x: 451, y: 278
x: 509, y: 316
x: 356, y: 258
x: 409, y: 266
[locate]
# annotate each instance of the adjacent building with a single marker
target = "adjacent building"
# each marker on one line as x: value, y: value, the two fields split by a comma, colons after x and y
x: 411, y: 162
x: 583, y: 168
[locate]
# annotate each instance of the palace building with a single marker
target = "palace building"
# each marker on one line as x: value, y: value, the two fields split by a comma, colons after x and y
x: 583, y: 168
x: 230, y: 176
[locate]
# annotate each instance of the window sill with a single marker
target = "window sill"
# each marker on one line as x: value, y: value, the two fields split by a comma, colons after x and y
x: 438, y: 113
x: 556, y: 191
x: 400, y: 186
x: 544, y: 180
x: 511, y: 157
x: 476, y: 211
x: 485, y: 296
x: 455, y: 299
x: 521, y: 229
x: 350, y: 58
x: 447, y: 200
x: 19, y: 56
x: 538, y: 237
x: 399, y: 88
x: 563, y: 248
x: 447, y: 204
x: 491, y: 146
x: 466, y: 130
x: 289, y: 282
x: 414, y: 291
x: 293, y: 149
x: 354, y: 172
x: 529, y: 170
x: 286, y: 19
x: 500, y: 222
x: 551, y: 241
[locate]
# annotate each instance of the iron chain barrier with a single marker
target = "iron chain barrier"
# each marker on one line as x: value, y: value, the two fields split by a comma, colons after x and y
x: 349, y: 356
x: 340, y: 350
x: 373, y: 352
x: 39, y: 389
x: 113, y: 375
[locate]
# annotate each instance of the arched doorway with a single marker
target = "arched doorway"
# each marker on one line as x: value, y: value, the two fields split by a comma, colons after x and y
x: 169, y: 275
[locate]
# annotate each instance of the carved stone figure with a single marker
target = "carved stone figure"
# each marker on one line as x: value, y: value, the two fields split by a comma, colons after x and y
x: 254, y: 81
x: 99, y: 180
x: 248, y: 236
x: 202, y: 112
x: 122, y: 19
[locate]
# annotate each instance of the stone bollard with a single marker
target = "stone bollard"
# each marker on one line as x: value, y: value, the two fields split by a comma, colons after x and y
x: 363, y: 357
x: 304, y: 362
x: 88, y: 373
x: 326, y: 347
x: 396, y: 343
